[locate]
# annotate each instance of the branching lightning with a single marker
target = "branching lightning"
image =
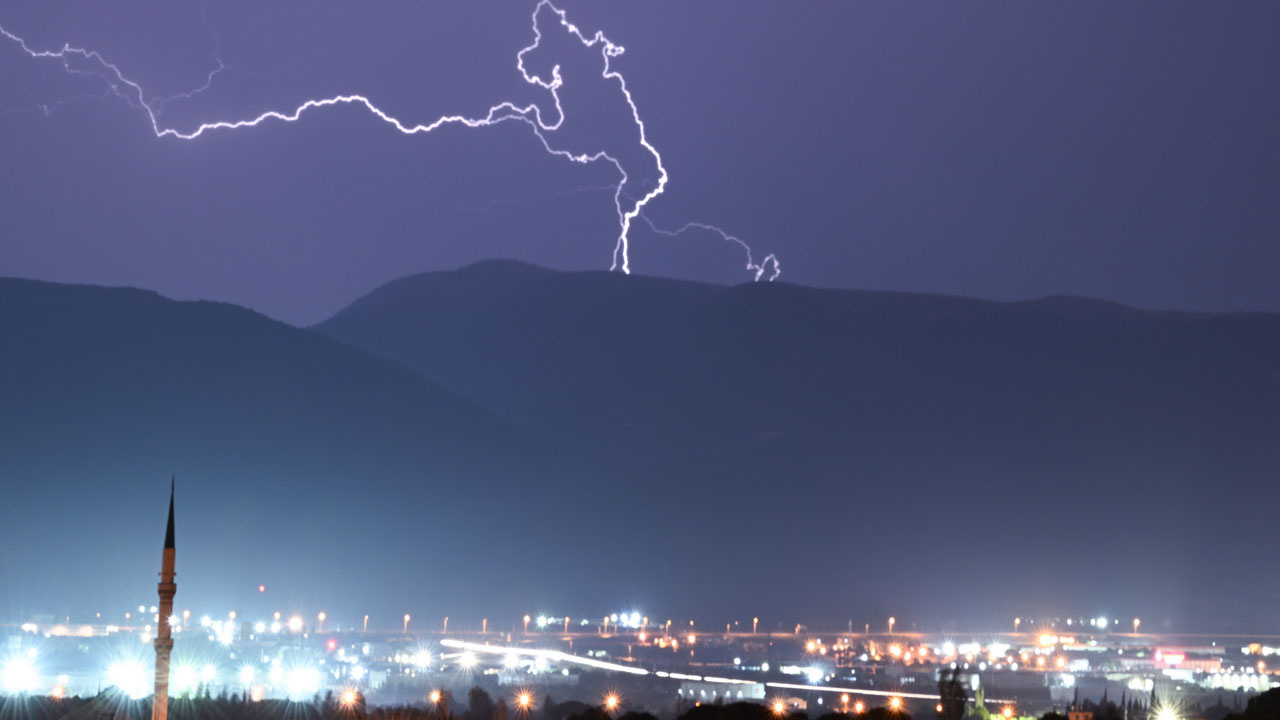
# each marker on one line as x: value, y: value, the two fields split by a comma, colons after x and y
x: 82, y: 61
x: 768, y: 265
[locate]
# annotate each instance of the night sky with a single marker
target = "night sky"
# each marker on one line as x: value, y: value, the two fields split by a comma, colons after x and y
x: 1124, y: 151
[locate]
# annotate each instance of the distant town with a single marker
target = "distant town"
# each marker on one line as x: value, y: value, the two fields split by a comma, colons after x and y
x: 629, y: 661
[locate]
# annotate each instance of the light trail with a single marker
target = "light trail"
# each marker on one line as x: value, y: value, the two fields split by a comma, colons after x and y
x: 627, y: 205
x: 851, y: 691
x: 548, y: 654
x: 877, y: 693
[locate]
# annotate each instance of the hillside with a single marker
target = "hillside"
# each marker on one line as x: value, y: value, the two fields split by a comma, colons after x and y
x: 1054, y: 418
x: 504, y: 438
x: 108, y: 391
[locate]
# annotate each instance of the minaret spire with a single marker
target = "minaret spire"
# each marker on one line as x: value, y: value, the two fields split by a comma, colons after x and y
x: 168, y: 533
x: 164, y: 637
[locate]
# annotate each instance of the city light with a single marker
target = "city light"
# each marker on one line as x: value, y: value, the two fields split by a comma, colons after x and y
x: 611, y: 702
x: 1166, y: 713
x: 1007, y: 711
x: 302, y: 682
x: 859, y: 706
x: 247, y: 674
x: 184, y: 679
x: 524, y: 700
x: 895, y: 703
x: 19, y: 675
x: 779, y: 708
x: 467, y: 659
x: 130, y: 677
x: 349, y: 698
x: 295, y: 624
x: 434, y: 696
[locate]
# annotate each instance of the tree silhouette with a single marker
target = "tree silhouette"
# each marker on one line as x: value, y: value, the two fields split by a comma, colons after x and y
x: 953, y: 695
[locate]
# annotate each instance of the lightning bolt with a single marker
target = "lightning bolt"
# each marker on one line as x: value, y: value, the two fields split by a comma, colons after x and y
x: 628, y: 208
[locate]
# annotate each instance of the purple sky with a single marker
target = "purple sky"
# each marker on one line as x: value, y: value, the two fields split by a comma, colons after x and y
x: 1004, y: 150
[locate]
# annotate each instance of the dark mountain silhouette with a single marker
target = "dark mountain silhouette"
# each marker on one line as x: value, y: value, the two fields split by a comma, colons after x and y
x: 506, y: 439
x: 1065, y: 421
x: 662, y: 366
x: 296, y: 455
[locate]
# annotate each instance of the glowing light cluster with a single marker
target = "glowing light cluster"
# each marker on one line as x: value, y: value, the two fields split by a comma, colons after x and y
x: 18, y: 675
x: 130, y: 677
x: 628, y: 206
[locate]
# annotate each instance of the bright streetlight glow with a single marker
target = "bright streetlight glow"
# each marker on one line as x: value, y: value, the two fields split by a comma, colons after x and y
x: 130, y: 677
x: 895, y: 703
x: 611, y: 702
x: 302, y: 682
x: 295, y: 624
x: 349, y: 697
x: 19, y: 675
x: 185, y: 678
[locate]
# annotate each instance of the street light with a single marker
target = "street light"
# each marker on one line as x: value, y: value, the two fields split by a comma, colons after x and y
x: 891, y: 622
x: 526, y: 624
x: 779, y: 708
x: 895, y: 703
x: 406, y: 622
x: 1136, y: 623
x: 320, y: 621
x: 1016, y: 622
x: 1007, y: 711
x: 524, y: 701
x: 754, y: 622
x: 611, y: 702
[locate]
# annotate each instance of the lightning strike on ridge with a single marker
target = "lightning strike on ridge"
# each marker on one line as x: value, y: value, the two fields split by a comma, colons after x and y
x: 628, y: 208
